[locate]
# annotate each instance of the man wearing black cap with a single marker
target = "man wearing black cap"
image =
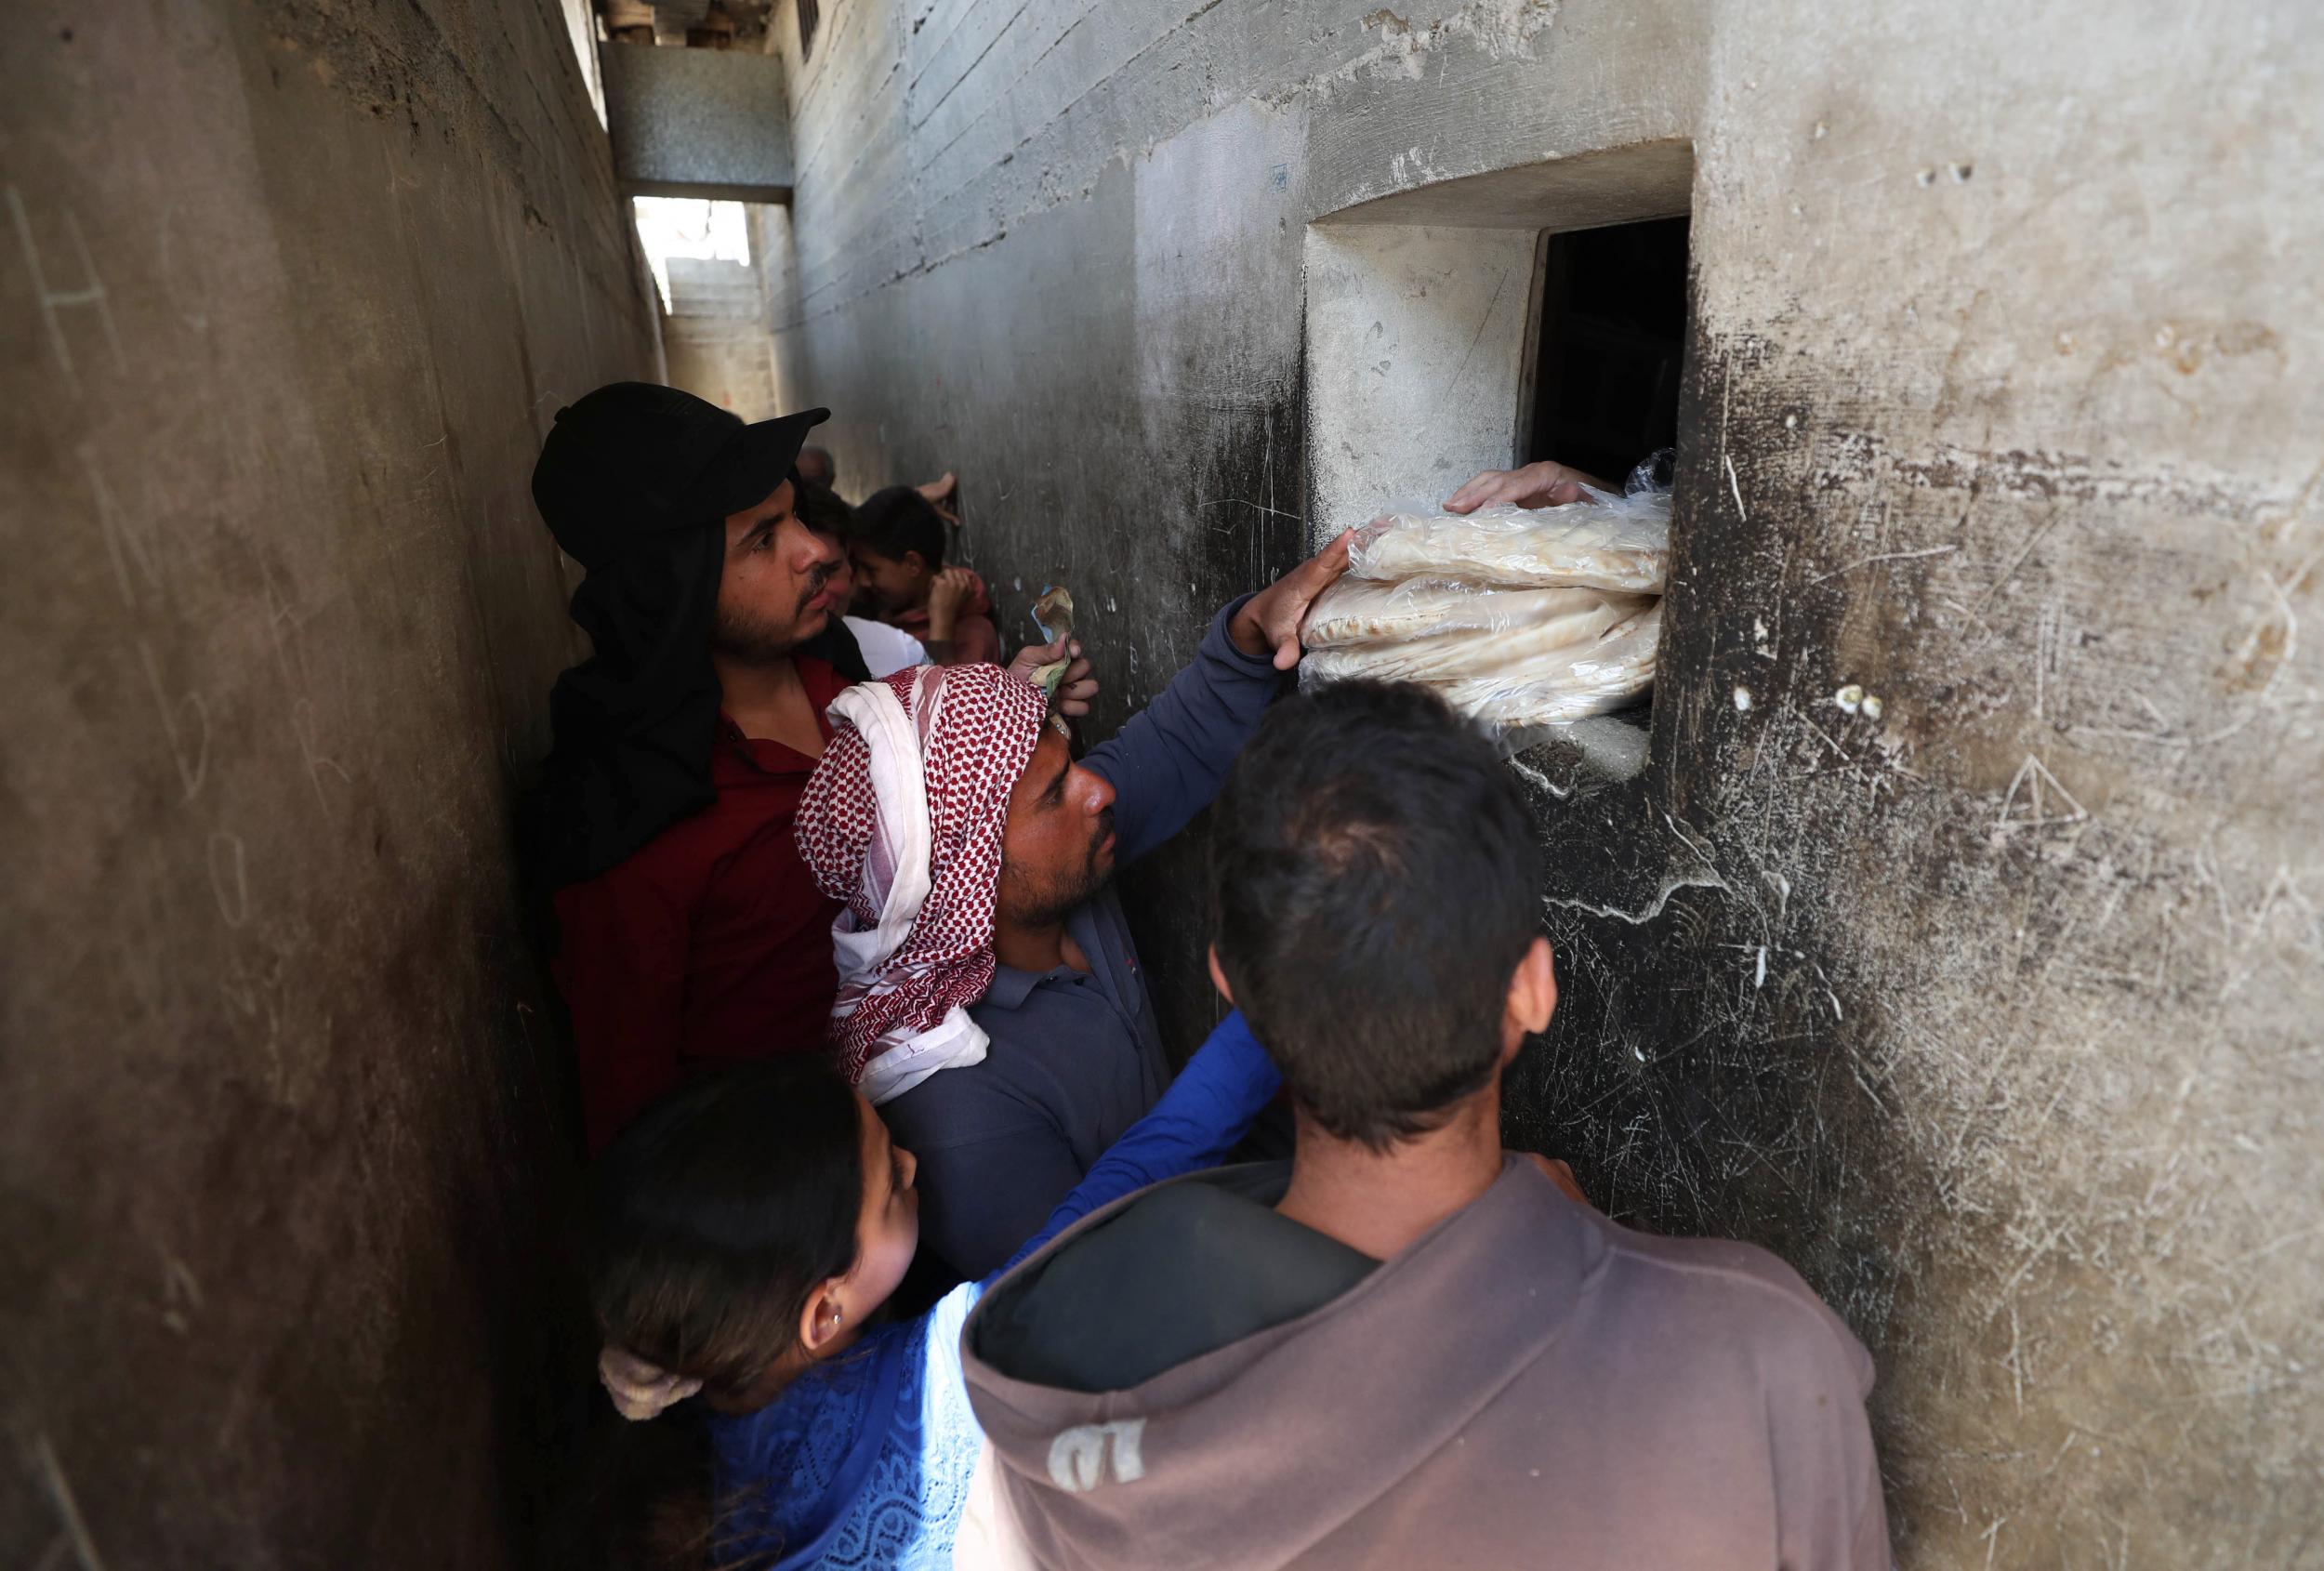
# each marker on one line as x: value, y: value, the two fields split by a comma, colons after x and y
x: 690, y: 932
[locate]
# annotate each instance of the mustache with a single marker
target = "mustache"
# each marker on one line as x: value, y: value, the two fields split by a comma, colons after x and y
x: 817, y: 577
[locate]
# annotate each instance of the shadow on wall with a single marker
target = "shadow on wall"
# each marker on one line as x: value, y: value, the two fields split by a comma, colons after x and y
x: 289, y: 302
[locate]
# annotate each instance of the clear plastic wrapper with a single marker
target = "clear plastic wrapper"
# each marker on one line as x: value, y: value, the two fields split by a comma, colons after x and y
x: 1557, y: 687
x: 1618, y: 542
x: 1363, y: 610
x: 1471, y: 650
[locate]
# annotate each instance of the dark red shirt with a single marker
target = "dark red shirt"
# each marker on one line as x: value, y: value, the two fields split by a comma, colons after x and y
x: 709, y: 944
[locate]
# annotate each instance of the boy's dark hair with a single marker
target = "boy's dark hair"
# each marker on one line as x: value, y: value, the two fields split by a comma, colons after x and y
x: 716, y: 1213
x: 1375, y: 879
x: 821, y: 510
x: 899, y: 520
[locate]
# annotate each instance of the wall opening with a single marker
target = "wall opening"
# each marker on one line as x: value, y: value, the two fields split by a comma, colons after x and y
x: 1610, y: 346
x: 715, y: 333
x: 1538, y: 311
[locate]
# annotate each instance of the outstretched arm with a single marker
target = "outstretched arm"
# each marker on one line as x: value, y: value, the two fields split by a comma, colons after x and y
x: 1172, y: 757
x: 1541, y: 484
x: 1207, y: 1108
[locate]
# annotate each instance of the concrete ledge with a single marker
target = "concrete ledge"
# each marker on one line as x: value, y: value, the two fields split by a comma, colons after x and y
x: 701, y: 122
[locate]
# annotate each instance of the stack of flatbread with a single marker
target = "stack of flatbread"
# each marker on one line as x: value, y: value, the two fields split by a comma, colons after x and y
x: 1517, y: 617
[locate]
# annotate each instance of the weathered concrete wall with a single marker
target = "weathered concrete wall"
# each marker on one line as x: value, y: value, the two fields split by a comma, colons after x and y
x: 287, y: 297
x: 714, y: 336
x: 699, y: 123
x: 1998, y: 1014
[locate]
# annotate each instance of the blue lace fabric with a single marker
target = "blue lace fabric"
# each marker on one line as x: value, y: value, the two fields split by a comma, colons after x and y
x: 865, y: 1461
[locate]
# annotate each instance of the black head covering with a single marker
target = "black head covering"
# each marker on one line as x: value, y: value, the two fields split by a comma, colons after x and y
x: 636, y: 482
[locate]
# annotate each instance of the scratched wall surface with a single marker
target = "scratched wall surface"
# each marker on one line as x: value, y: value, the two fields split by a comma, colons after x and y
x: 287, y: 297
x: 1994, y: 1011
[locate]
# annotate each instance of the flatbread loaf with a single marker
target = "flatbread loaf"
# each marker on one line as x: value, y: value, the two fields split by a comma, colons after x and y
x: 1622, y: 545
x: 1487, y: 654
x: 1558, y: 687
x: 1359, y: 610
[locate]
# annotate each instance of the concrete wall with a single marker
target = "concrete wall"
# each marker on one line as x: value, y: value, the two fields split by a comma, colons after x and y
x: 288, y: 297
x: 1996, y: 1015
x: 714, y: 336
x: 699, y: 123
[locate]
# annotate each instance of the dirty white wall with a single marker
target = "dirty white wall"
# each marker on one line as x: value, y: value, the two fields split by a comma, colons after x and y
x: 288, y: 297
x: 1998, y: 1015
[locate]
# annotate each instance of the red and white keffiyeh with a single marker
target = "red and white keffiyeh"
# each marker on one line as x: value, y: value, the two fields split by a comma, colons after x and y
x: 903, y: 821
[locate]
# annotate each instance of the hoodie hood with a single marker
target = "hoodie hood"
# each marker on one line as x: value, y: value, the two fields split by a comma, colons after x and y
x: 1317, y: 1415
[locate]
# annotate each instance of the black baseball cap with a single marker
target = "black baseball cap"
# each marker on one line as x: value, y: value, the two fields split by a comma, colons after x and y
x: 633, y: 459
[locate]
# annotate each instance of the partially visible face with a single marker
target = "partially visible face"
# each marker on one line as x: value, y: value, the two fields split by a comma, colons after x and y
x: 842, y: 576
x: 1056, y: 844
x: 888, y: 1232
x: 892, y: 585
x: 774, y: 588
x: 816, y: 464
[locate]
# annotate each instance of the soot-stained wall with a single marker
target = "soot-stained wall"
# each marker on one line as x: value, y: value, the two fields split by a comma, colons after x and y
x: 288, y: 297
x: 1994, y: 1012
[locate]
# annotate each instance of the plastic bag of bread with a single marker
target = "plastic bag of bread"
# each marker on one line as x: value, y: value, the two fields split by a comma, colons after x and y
x: 1618, y: 542
x: 1561, y: 686
x: 1460, y: 651
x: 1362, y: 611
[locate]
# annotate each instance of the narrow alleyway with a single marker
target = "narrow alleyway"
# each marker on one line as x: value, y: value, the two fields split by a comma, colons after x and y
x: 1946, y: 922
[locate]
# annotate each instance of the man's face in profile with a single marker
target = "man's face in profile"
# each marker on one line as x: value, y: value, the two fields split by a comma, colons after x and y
x: 775, y: 588
x: 1057, y: 843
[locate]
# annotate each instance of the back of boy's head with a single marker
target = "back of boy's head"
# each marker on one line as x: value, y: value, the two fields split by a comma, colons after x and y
x: 715, y: 1215
x: 900, y: 520
x: 821, y: 508
x: 1377, y: 880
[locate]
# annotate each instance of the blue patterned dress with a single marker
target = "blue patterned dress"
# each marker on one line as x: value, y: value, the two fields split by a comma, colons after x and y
x: 865, y: 1461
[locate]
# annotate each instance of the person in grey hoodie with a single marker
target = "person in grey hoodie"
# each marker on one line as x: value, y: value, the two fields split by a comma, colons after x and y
x: 1410, y: 1349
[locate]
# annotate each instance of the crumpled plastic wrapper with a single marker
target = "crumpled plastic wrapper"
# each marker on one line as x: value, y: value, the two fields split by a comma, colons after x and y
x: 1525, y: 650
x: 1518, y: 617
x: 1618, y: 543
x: 1360, y: 611
x: 1561, y: 688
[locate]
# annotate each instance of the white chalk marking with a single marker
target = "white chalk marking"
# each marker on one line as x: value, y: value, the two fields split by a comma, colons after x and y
x: 1704, y: 880
x: 49, y: 300
x: 60, y: 1495
x: 124, y: 545
x: 1885, y: 556
x: 2030, y: 777
x: 230, y: 877
x: 190, y: 775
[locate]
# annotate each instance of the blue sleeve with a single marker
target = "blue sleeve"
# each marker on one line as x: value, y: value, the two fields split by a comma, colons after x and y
x: 981, y: 1199
x: 1172, y: 757
x: 1199, y: 1118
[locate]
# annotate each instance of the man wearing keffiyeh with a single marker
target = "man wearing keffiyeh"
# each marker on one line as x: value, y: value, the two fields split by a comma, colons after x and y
x: 688, y: 932
x: 991, y: 1002
x: 903, y: 823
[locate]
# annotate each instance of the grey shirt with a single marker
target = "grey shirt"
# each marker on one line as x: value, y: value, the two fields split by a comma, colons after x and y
x: 1075, y: 1060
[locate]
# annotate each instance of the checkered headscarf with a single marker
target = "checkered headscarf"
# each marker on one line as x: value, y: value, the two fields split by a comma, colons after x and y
x: 903, y: 822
